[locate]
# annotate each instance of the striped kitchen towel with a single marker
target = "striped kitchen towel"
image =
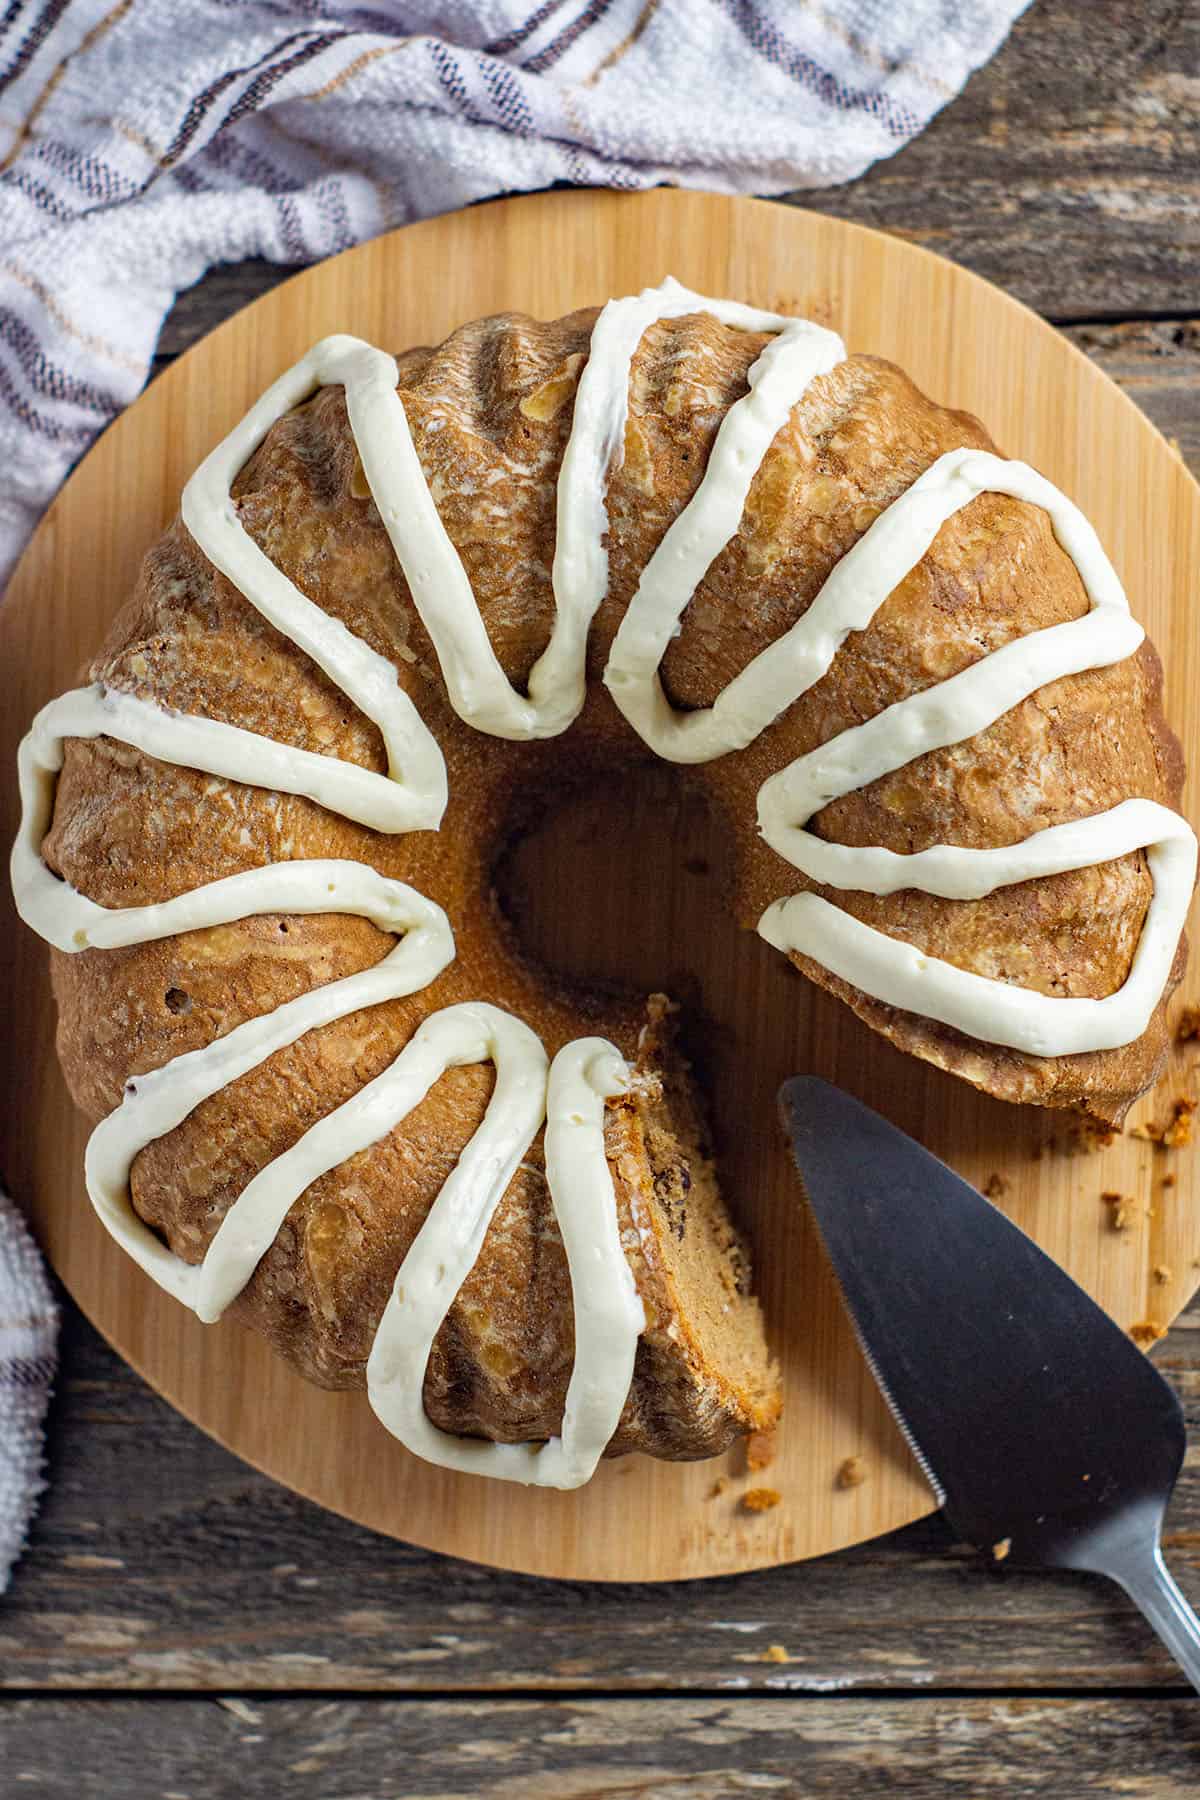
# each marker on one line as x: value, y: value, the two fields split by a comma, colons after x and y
x: 28, y: 1332
x: 142, y: 141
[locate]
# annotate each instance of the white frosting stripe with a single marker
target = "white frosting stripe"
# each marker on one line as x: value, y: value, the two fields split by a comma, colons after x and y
x: 956, y: 709
x: 415, y: 765
x: 446, y: 1039
x: 1041, y: 1025
x: 608, y: 1313
x: 156, y: 1103
x: 957, y: 873
x: 966, y: 703
x: 949, y: 713
x: 57, y: 912
x: 777, y: 380
x: 478, y: 688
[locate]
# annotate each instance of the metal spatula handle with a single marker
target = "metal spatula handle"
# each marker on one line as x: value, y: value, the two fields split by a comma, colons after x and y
x: 1141, y: 1571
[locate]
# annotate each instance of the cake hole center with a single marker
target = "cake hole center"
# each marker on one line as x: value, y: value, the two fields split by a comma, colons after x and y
x: 626, y: 884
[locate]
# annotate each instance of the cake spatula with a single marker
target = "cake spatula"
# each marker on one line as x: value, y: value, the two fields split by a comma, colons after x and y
x: 1045, y: 1434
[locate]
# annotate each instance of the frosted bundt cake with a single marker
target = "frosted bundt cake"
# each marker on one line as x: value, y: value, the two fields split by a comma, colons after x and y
x: 406, y: 603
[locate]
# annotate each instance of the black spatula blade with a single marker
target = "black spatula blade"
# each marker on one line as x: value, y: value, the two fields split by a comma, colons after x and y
x: 1037, y: 1421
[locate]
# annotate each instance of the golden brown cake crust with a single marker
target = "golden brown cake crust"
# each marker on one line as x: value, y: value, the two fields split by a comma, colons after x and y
x: 490, y: 410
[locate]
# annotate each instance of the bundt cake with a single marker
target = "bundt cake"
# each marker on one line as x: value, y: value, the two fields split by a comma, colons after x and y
x: 407, y: 601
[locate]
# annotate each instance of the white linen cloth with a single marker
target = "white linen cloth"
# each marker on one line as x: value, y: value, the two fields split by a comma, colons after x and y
x: 28, y: 1335
x: 142, y: 141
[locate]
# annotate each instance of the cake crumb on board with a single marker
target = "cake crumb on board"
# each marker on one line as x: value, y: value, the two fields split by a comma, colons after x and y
x: 996, y: 1186
x: 1162, y: 1274
x: 1147, y: 1332
x: 760, y: 1451
x: 758, y: 1500
x: 718, y: 1487
x: 1188, y: 1029
x: 1085, y: 1135
x: 1176, y: 1134
x: 852, y: 1473
x: 1120, y: 1211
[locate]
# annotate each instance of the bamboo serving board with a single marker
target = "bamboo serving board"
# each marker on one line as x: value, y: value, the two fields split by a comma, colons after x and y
x: 970, y: 346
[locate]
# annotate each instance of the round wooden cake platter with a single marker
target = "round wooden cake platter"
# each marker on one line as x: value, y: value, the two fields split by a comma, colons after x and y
x: 967, y: 344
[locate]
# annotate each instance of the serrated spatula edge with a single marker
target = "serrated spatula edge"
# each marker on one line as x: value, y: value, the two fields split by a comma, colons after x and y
x: 922, y: 1461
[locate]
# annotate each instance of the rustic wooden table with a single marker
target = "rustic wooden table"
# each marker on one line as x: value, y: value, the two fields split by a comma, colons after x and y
x: 183, y: 1629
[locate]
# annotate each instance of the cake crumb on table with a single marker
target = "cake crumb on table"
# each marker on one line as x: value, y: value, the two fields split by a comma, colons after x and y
x: 757, y: 1500
x: 1147, y: 1332
x: 760, y: 1451
x: 774, y: 1653
x: 852, y: 1473
x: 1001, y: 1550
x: 996, y: 1186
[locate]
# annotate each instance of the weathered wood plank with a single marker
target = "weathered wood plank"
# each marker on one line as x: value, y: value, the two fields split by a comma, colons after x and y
x: 1068, y: 171
x: 704, y: 1749
x: 160, y: 1561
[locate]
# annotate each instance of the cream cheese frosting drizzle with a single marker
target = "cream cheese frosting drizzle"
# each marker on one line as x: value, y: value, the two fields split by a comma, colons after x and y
x: 570, y: 1093
x: 416, y: 789
x: 609, y: 1316
x: 995, y: 1010
x: 776, y: 381
x: 156, y: 1103
x: 948, y: 713
x: 479, y: 690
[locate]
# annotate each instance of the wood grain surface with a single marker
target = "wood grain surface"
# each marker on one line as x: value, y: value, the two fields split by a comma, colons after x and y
x: 629, y: 885
x: 545, y: 1749
x: 160, y: 1562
